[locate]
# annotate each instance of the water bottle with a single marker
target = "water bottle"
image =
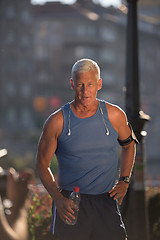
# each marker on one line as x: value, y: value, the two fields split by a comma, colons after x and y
x: 75, y: 198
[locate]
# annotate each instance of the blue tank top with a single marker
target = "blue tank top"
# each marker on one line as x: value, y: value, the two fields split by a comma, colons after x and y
x: 87, y: 158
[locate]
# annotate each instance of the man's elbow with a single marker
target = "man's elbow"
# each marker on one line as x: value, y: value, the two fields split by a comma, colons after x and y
x: 39, y: 164
x: 131, y: 146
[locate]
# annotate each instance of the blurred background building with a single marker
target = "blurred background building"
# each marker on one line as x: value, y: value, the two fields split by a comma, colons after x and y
x: 40, y: 43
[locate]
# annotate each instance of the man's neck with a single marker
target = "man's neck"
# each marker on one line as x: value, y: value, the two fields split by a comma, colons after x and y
x: 82, y: 110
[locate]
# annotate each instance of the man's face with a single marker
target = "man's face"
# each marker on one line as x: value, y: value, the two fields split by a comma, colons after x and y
x: 86, y: 86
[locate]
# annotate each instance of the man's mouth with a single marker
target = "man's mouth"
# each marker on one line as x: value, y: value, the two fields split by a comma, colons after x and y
x: 85, y: 97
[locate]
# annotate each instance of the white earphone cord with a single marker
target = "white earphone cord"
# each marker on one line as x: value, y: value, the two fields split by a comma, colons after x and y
x: 69, y: 121
x: 107, y: 131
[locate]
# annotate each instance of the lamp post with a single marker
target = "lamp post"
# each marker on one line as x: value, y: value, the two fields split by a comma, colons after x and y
x: 135, y: 211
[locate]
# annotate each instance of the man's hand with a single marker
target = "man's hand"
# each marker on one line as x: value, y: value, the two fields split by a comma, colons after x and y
x: 65, y: 209
x: 119, y: 191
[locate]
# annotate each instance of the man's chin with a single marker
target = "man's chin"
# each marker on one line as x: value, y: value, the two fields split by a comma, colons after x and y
x: 86, y: 101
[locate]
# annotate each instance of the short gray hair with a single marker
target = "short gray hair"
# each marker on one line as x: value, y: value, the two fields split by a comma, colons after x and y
x: 85, y: 65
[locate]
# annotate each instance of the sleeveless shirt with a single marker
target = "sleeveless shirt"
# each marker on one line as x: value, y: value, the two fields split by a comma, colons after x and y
x: 88, y: 157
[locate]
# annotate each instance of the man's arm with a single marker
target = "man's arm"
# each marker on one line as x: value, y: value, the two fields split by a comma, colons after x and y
x: 119, y: 122
x: 126, y: 165
x: 46, y: 149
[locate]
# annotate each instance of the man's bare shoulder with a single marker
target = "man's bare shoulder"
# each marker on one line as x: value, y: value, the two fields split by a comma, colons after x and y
x: 58, y: 115
x: 116, y: 116
x: 54, y: 123
x: 115, y: 110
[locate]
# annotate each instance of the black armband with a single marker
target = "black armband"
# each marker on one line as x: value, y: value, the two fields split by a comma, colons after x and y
x: 128, y: 140
x: 125, y: 141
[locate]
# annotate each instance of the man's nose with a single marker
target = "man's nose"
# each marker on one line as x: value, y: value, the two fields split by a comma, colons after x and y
x: 84, y: 89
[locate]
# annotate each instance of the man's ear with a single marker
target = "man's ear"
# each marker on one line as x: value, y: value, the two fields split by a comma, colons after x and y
x: 72, y: 83
x: 100, y: 84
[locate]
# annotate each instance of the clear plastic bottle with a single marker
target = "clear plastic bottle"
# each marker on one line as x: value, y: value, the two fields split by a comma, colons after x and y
x: 75, y: 198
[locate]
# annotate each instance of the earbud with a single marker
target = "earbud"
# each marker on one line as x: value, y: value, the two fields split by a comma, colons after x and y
x: 69, y: 132
x: 107, y: 133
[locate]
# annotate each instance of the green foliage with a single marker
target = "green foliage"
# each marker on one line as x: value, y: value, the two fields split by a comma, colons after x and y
x: 39, y: 214
x: 19, y: 162
x: 156, y: 228
x: 154, y: 218
x: 54, y: 165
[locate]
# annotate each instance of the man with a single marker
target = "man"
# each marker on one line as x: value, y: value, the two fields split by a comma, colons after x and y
x: 83, y: 134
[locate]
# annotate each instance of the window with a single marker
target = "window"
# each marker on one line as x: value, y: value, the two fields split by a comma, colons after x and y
x: 107, y: 77
x: 107, y: 34
x: 26, y: 66
x: 11, y: 116
x: 26, y: 17
x: 43, y: 77
x: 107, y: 55
x: 26, y: 119
x: 26, y: 90
x: 85, y: 30
x: 10, y: 12
x: 83, y: 51
x: 11, y: 88
x: 11, y: 65
x: 41, y: 52
x: 11, y: 37
x: 25, y: 41
x: 81, y: 30
x: 79, y: 52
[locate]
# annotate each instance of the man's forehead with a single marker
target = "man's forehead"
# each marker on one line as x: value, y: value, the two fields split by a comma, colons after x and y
x: 83, y: 74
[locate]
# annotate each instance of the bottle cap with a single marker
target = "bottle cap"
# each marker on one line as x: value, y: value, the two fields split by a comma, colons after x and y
x: 76, y: 189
